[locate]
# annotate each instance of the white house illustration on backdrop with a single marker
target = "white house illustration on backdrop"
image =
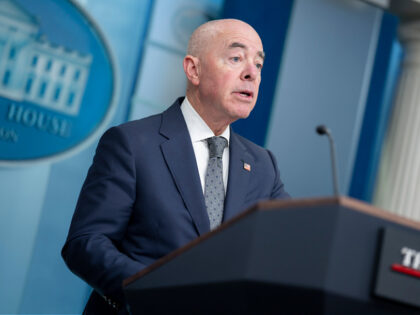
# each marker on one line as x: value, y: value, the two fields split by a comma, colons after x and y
x: 35, y: 70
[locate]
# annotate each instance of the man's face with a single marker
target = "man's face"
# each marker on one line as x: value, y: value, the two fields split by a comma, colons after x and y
x: 230, y: 73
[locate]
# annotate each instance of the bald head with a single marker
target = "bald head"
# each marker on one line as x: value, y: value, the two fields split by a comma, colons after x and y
x: 202, y: 38
x: 223, y: 67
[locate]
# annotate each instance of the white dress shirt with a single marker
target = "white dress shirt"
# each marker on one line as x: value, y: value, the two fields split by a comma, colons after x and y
x: 199, y: 132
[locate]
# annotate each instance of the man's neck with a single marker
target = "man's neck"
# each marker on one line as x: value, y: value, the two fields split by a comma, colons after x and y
x: 216, y: 125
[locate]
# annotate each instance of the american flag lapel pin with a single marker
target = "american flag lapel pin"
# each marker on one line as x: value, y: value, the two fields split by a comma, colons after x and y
x: 247, y: 167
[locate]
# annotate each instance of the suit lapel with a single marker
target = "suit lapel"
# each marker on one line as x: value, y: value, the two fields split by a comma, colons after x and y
x: 180, y: 158
x: 238, y: 177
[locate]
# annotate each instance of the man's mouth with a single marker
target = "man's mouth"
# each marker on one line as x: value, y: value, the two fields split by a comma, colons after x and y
x: 245, y: 93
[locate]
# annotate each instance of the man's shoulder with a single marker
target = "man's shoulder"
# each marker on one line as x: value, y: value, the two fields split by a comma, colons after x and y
x: 150, y: 124
x: 146, y: 124
x: 133, y: 133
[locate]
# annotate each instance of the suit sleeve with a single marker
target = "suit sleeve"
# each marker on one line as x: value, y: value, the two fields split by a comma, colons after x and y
x: 278, y: 191
x: 101, y: 217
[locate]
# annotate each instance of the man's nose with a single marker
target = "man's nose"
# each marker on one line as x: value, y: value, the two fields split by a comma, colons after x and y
x: 250, y: 72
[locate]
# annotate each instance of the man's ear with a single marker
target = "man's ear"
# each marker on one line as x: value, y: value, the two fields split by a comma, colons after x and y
x: 192, y: 69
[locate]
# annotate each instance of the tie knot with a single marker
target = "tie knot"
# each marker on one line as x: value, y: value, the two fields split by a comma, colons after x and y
x: 216, y: 146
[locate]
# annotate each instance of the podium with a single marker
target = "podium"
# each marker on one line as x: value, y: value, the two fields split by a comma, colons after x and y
x: 314, y: 256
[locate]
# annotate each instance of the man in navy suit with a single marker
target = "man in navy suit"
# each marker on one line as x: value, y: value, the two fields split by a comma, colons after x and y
x: 144, y: 193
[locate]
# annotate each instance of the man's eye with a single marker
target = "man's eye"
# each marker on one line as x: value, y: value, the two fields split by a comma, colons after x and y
x: 259, y: 65
x: 236, y: 59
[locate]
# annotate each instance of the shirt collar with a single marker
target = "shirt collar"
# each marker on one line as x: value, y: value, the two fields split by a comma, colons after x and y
x: 197, y: 127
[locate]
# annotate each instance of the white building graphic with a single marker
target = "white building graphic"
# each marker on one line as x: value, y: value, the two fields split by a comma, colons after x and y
x: 33, y: 69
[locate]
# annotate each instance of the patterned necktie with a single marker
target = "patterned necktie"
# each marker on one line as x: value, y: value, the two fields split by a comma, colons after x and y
x: 214, y: 191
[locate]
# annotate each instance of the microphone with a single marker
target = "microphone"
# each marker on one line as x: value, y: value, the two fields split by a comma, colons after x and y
x: 323, y: 130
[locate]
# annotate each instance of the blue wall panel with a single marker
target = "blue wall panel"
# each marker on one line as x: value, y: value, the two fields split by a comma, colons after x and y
x: 378, y: 108
x: 324, y: 79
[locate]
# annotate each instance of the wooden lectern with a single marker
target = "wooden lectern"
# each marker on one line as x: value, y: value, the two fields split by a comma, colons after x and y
x: 315, y: 256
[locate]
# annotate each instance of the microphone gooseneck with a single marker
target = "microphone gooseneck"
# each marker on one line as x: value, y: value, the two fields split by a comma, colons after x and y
x: 323, y: 130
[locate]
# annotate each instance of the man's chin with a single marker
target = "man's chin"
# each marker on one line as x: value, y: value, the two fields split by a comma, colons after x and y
x: 241, y: 115
x: 237, y: 111
x: 244, y: 112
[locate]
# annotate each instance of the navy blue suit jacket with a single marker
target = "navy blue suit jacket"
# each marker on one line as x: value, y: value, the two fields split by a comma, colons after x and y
x: 142, y: 197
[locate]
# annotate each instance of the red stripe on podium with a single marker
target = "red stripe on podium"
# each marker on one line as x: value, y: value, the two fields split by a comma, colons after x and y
x: 406, y: 270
